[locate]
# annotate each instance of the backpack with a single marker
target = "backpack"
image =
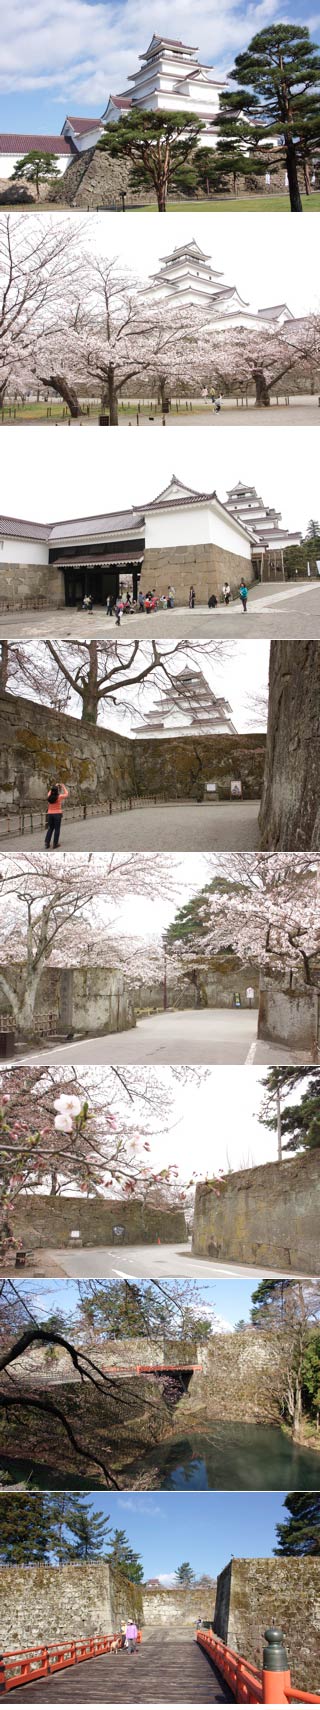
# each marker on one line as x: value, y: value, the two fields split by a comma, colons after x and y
x: 53, y: 794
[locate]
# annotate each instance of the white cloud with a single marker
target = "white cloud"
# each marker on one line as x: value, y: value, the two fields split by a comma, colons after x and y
x: 80, y: 52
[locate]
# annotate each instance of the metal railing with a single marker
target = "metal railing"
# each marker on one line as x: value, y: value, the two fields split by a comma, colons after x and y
x: 24, y: 820
x: 251, y: 1685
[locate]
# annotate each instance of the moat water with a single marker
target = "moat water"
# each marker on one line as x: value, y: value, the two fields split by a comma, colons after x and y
x: 234, y: 1457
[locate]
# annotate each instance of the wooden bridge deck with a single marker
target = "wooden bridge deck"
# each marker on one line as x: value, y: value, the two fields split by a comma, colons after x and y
x: 166, y: 1671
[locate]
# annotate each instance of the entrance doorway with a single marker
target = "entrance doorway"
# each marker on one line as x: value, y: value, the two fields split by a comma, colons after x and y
x: 102, y: 582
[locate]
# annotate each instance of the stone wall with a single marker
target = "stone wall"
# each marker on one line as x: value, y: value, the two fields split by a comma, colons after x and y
x: 26, y: 587
x: 99, y: 766
x: 178, y: 1607
x: 95, y: 181
x: 47, y: 1222
x: 206, y: 566
x: 77, y: 1000
x: 290, y: 1017
x: 40, y: 1604
x: 211, y: 988
x: 253, y: 1593
x: 265, y: 1216
x: 290, y: 809
x: 240, y: 1377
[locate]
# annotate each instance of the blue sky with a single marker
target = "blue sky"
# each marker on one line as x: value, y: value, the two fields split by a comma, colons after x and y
x: 229, y: 1299
x: 204, y: 1530
x: 68, y: 56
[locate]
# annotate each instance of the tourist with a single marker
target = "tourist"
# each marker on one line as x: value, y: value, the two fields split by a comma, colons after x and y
x: 171, y: 598
x: 212, y: 602
x: 250, y: 996
x: 131, y: 1636
x: 216, y: 405
x: 226, y: 593
x: 141, y: 600
x: 192, y: 598
x: 56, y: 796
x: 243, y: 591
x: 87, y: 603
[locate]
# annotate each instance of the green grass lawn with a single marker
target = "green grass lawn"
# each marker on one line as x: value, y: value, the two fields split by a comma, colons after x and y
x: 246, y: 205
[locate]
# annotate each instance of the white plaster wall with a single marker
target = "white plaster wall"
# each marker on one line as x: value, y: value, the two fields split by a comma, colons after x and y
x: 198, y: 527
x: 8, y: 162
x: 23, y: 551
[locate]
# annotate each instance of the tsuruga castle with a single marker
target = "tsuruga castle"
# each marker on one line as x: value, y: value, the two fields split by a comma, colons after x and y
x: 188, y: 279
x: 179, y: 538
x: 169, y: 79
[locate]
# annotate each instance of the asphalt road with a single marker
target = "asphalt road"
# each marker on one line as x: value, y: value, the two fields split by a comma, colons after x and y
x: 163, y: 1261
x: 175, y: 1036
x: 171, y: 825
x: 288, y: 612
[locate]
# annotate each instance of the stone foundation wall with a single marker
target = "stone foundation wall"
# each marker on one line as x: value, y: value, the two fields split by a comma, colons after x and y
x: 99, y: 766
x: 241, y: 1378
x: 78, y: 1000
x: 253, y: 1593
x: 180, y: 1607
x: 265, y: 1216
x: 206, y: 566
x: 26, y: 587
x: 40, y: 1604
x: 290, y: 1017
x: 93, y: 181
x: 47, y: 1222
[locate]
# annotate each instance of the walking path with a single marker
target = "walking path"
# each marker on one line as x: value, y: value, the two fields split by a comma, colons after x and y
x: 289, y: 612
x: 167, y: 825
x: 176, y: 1036
x: 166, y: 1670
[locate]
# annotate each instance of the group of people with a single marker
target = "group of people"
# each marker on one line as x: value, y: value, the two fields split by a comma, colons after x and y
x: 129, y: 1637
x: 124, y: 604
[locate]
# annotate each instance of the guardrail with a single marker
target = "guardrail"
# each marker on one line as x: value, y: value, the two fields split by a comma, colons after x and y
x: 250, y: 1685
x: 21, y: 1668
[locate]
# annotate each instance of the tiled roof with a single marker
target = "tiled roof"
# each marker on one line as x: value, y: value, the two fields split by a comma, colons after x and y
x: 13, y: 143
x: 132, y: 556
x: 80, y: 126
x: 77, y: 527
x: 15, y: 528
x: 121, y: 100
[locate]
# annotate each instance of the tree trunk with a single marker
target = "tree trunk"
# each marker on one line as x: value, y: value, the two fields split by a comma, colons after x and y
x: 306, y: 177
x: 293, y: 181
x: 110, y: 398
x: 90, y: 696
x: 262, y: 389
x: 4, y: 664
x: 164, y: 396
x: 60, y: 386
x: 290, y: 811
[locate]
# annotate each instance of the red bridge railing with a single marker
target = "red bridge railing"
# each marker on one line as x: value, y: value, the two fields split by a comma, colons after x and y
x: 21, y: 1668
x: 250, y: 1685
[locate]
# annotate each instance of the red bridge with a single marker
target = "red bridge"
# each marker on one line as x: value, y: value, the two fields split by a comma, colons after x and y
x: 171, y: 1669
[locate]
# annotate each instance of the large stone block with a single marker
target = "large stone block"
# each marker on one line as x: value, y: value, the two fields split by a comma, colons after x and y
x: 290, y: 1017
x: 26, y: 587
x: 251, y: 1594
x: 265, y: 1216
x: 208, y: 567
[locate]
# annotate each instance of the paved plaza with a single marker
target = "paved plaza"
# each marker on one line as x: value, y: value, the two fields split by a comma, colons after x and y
x: 170, y: 825
x: 282, y: 612
x: 175, y: 1036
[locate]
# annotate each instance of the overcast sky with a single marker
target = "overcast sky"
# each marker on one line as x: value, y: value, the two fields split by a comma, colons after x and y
x: 236, y: 670
x: 67, y: 58
x: 41, y: 480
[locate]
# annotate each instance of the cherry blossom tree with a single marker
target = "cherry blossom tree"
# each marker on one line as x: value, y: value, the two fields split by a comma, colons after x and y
x: 38, y: 263
x: 263, y: 358
x: 266, y: 907
x: 45, y: 907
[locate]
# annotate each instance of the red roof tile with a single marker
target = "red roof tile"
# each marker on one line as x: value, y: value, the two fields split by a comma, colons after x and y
x: 13, y: 143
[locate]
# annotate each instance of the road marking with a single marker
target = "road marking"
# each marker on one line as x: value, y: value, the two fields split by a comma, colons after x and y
x: 251, y: 1053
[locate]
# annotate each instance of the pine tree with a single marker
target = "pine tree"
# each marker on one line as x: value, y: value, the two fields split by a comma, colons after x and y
x: 26, y: 1530
x: 157, y: 144
x: 89, y: 1530
x: 279, y: 75
x: 38, y: 167
x: 300, y: 1123
x: 265, y: 1297
x: 300, y: 1534
x: 184, y: 1574
x: 127, y: 1561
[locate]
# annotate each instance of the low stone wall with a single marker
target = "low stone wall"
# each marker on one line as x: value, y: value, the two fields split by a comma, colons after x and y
x: 206, y: 566
x: 25, y: 587
x: 265, y: 1216
x: 43, y: 1221
x: 253, y: 1593
x: 99, y: 766
x: 211, y: 988
x: 40, y: 1604
x: 290, y: 1017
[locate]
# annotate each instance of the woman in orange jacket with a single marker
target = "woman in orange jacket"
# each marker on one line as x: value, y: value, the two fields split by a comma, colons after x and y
x: 56, y: 797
